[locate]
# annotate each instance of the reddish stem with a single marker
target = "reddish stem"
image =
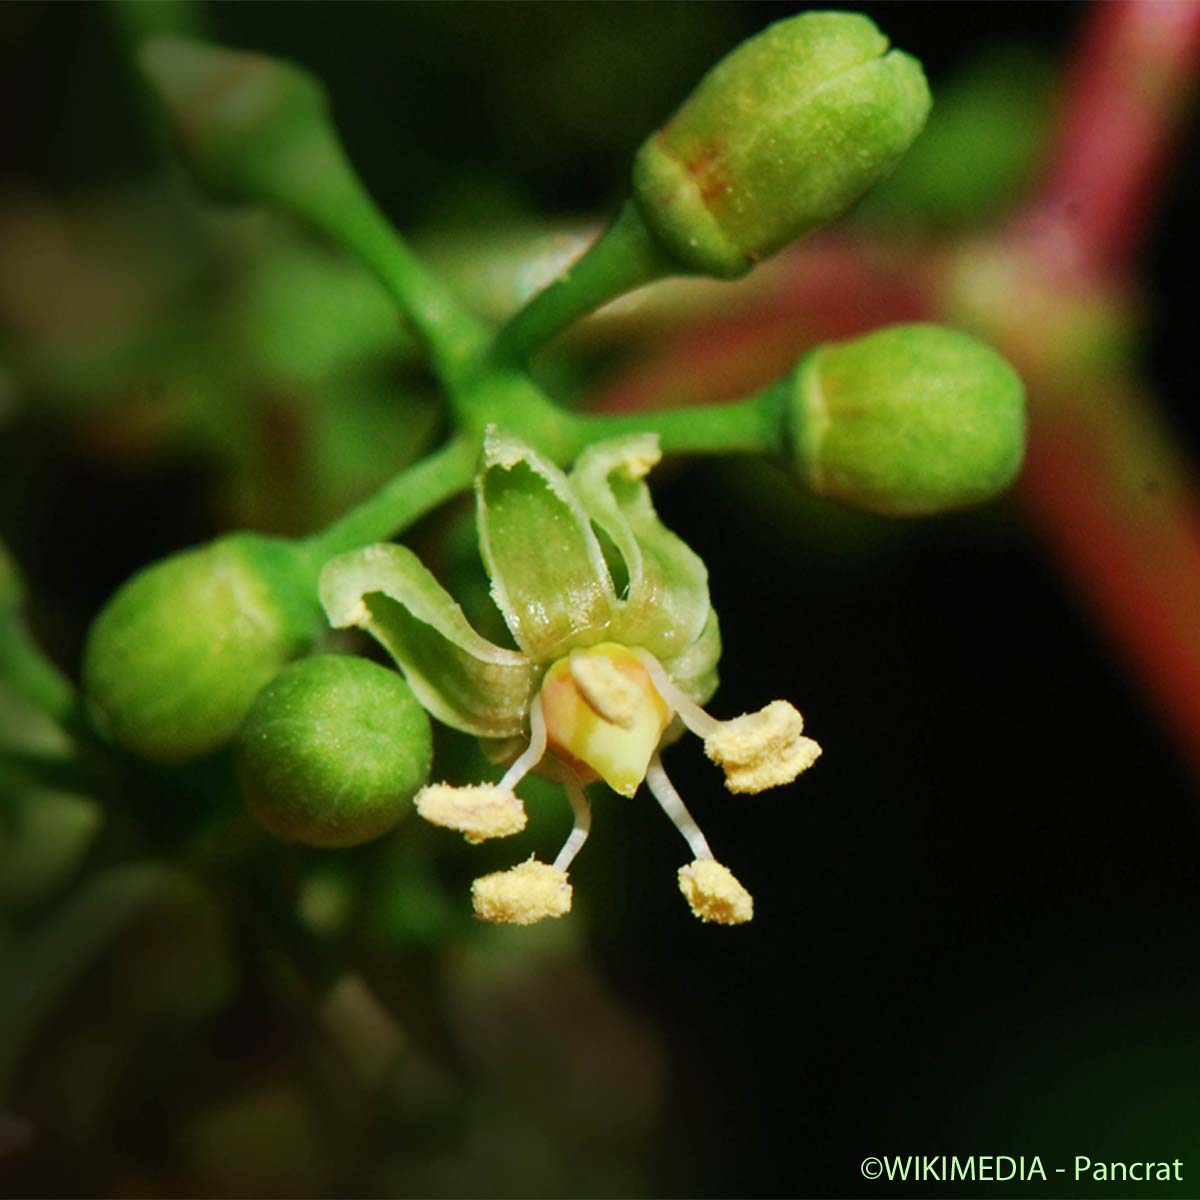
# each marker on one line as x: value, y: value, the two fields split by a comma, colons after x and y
x: 1131, y: 77
x: 1122, y: 513
x: 829, y: 288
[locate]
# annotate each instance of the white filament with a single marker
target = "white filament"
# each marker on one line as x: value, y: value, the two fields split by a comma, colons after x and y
x: 688, y: 711
x: 673, y: 805
x: 581, y: 806
x: 533, y: 753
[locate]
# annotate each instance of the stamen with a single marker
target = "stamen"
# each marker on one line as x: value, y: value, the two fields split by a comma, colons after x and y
x: 688, y: 711
x: 714, y: 894
x: 533, y: 753
x: 477, y: 811
x: 763, y: 749
x: 610, y: 695
x: 672, y: 804
x: 581, y: 806
x: 522, y: 895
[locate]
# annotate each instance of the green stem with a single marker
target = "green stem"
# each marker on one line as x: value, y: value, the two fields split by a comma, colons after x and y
x: 751, y: 426
x: 508, y: 398
x: 255, y: 128
x: 411, y: 494
x: 323, y: 189
x: 624, y: 257
x: 134, y: 22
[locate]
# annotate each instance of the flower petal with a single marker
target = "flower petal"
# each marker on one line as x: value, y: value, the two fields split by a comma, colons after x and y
x: 549, y: 578
x: 695, y: 670
x: 461, y: 678
x: 666, y: 605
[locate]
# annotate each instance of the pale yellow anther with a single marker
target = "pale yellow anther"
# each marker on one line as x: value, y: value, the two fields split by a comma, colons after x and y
x: 714, y: 894
x: 609, y: 693
x: 762, y: 750
x: 640, y: 461
x: 478, y: 812
x: 522, y: 895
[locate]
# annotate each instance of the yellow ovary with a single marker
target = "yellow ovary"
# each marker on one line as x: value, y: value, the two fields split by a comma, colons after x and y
x: 603, y: 712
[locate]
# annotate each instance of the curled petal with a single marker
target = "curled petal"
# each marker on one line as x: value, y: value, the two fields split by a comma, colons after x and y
x: 461, y: 678
x: 762, y: 750
x: 549, y: 578
x: 522, y: 895
x: 478, y: 812
x: 714, y: 894
x: 694, y: 671
x: 666, y: 604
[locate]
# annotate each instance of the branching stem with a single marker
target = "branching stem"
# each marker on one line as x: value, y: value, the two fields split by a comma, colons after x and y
x: 623, y: 258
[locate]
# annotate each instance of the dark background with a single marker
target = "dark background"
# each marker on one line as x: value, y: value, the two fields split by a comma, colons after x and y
x: 976, y: 917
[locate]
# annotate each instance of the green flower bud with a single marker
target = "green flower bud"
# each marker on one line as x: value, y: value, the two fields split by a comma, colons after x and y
x: 333, y: 751
x: 176, y: 656
x: 241, y: 121
x: 908, y: 420
x: 781, y: 136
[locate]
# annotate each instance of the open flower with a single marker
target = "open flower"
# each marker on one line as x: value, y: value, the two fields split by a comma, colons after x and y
x: 600, y: 675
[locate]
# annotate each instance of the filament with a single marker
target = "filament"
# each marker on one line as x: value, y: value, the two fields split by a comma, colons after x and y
x: 533, y: 753
x: 673, y: 805
x: 688, y: 711
x: 581, y: 806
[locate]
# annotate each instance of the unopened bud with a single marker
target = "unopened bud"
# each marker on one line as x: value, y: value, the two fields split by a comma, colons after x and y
x: 240, y: 120
x: 176, y: 656
x: 908, y: 420
x: 333, y: 750
x: 780, y: 137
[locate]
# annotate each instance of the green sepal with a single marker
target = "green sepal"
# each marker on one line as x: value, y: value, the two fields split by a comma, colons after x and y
x: 666, y: 603
x: 176, y: 656
x: 780, y: 137
x: 549, y: 577
x: 332, y: 751
x: 461, y: 678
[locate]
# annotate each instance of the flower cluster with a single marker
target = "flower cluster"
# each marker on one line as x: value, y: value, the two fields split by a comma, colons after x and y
x: 600, y: 677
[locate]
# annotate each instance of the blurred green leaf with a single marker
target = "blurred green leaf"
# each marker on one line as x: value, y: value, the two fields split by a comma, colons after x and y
x: 43, y: 843
x: 38, y: 969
